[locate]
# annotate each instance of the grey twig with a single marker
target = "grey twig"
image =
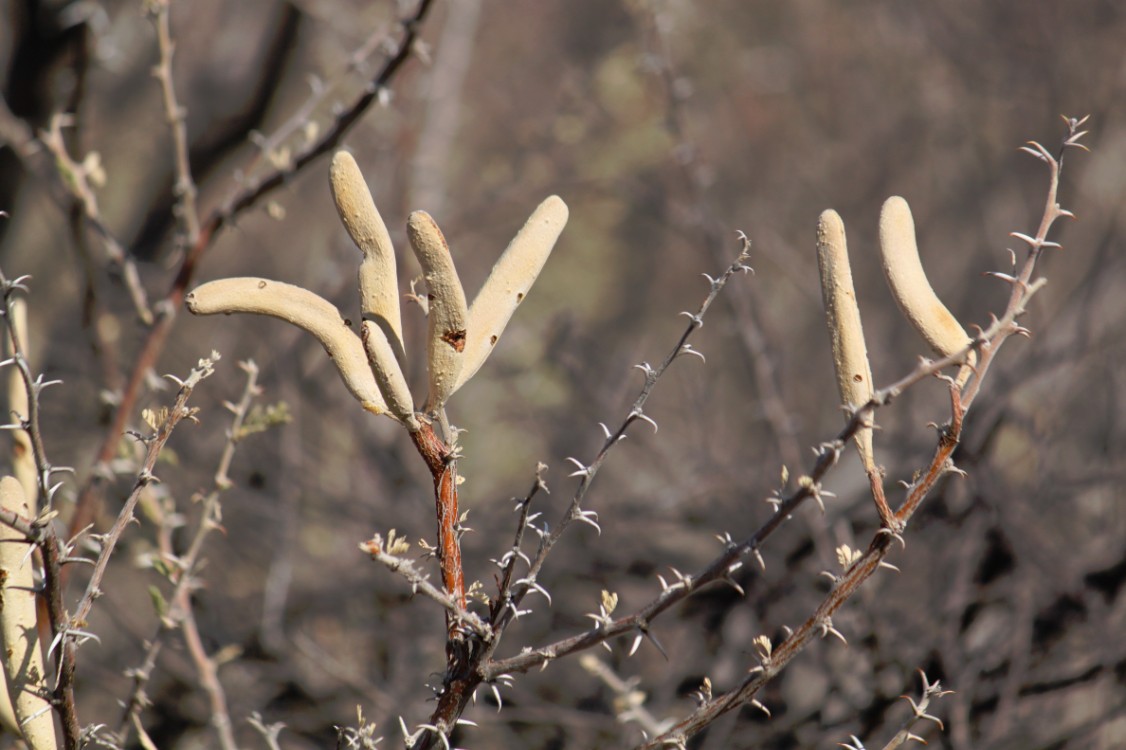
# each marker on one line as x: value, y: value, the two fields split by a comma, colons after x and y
x: 179, y: 613
x: 160, y: 11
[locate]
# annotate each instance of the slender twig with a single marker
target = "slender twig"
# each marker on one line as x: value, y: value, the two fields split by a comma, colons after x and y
x: 185, y: 566
x: 208, y: 672
x: 76, y: 178
x: 185, y: 189
x: 508, y: 562
x: 931, y: 691
x: 28, y: 423
x: 653, y: 375
x: 385, y: 553
x: 28, y: 528
x: 154, y: 445
x: 23, y: 456
x: 629, y: 702
x: 692, y: 167
x: 66, y: 637
x: 269, y: 732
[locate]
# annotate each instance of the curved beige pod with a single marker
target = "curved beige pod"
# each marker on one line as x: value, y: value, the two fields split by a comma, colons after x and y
x: 388, y: 375
x: 909, y: 285
x: 379, y: 294
x: 509, y: 283
x: 303, y: 309
x: 842, y: 315
x: 447, y: 316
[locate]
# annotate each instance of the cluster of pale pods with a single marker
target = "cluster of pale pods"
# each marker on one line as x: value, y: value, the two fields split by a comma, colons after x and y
x: 912, y: 292
x: 460, y: 338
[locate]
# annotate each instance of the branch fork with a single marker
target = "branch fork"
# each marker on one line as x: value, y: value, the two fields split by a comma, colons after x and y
x: 460, y: 336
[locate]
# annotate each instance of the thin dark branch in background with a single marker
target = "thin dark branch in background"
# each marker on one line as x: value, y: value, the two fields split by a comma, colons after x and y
x: 185, y: 189
x: 688, y: 160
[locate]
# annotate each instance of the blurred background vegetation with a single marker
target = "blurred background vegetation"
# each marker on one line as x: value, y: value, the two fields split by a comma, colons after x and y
x: 666, y: 125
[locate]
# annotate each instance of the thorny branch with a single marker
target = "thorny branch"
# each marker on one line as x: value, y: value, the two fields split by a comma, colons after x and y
x: 70, y: 630
x: 29, y: 422
x: 471, y: 666
x: 503, y: 599
x: 986, y: 344
x: 186, y: 210
x: 586, y: 474
x: 931, y: 691
x: 388, y: 553
x: 178, y: 614
x: 688, y: 159
x: 41, y: 530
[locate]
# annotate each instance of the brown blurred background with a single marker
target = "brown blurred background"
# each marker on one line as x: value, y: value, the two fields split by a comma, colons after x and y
x: 666, y: 126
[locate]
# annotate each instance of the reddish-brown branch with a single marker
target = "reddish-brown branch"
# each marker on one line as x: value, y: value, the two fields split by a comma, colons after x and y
x: 439, y: 459
x: 883, y: 510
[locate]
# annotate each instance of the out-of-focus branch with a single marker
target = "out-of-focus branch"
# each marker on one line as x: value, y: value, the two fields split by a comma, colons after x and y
x: 79, y: 180
x: 691, y: 166
x: 629, y: 702
x: 154, y: 445
x: 208, y: 672
x: 185, y: 189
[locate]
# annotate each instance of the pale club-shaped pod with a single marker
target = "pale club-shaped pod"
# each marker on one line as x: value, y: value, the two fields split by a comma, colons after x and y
x: 23, y: 660
x: 447, y: 314
x: 509, y: 283
x: 909, y: 285
x: 379, y: 293
x: 307, y: 311
x: 460, y: 337
x: 842, y: 315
